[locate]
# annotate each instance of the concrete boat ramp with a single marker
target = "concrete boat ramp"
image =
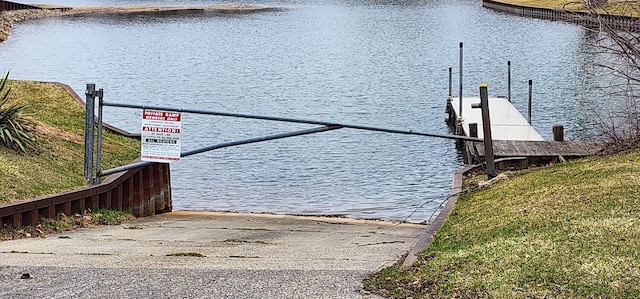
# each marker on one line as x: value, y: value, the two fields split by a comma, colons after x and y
x: 206, y: 255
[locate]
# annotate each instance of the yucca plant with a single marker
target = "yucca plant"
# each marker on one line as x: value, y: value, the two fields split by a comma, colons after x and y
x: 15, y: 130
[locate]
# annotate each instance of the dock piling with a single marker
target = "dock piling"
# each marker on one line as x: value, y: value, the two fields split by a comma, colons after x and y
x: 509, y: 80
x: 450, y: 82
x: 558, y: 133
x: 460, y: 90
x: 486, y: 130
x: 473, y: 130
x: 459, y: 128
x: 530, y: 95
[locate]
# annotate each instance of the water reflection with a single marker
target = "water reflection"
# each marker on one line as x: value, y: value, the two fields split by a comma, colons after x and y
x: 381, y: 63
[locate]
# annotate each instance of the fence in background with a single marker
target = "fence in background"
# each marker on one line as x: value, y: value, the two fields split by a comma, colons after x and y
x: 8, y: 5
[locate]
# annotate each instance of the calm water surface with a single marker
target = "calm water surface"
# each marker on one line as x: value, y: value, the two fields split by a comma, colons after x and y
x: 381, y: 63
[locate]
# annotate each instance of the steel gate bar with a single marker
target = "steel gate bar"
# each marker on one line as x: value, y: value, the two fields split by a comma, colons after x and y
x: 226, y: 144
x: 293, y: 120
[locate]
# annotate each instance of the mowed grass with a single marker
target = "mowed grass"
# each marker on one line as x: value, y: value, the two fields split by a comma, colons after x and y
x: 57, y: 163
x: 616, y: 7
x: 555, y: 4
x: 564, y: 231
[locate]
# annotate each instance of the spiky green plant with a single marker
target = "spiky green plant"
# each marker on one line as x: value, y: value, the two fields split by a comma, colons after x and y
x: 15, y: 130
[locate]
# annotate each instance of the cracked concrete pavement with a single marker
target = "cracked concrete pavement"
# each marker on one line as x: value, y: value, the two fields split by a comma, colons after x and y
x: 243, y: 256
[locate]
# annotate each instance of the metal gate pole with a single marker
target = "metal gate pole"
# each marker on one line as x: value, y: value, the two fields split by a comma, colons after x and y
x: 97, y: 179
x: 90, y: 94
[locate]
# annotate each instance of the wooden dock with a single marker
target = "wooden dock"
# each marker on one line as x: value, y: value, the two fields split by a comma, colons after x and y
x: 537, y: 149
x: 514, y: 139
x: 506, y: 122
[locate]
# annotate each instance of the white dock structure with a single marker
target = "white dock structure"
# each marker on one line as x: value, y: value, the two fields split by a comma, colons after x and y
x: 516, y: 144
x: 512, y: 138
x: 506, y: 122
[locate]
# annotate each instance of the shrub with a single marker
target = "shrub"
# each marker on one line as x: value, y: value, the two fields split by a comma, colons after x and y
x: 16, y: 131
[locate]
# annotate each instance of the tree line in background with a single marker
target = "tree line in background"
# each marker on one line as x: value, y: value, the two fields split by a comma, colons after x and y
x: 618, y: 47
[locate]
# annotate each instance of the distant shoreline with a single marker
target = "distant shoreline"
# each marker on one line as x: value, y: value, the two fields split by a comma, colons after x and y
x: 8, y: 18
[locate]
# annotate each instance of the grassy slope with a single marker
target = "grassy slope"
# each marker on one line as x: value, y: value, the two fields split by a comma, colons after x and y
x: 57, y: 165
x: 568, y: 231
x: 618, y: 7
x: 557, y: 4
x: 565, y: 231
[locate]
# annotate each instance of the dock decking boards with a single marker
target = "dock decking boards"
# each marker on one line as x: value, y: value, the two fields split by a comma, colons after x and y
x: 519, y: 148
x: 512, y: 134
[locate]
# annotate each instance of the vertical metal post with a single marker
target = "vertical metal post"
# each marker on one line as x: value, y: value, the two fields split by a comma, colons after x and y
x: 460, y: 91
x: 449, y: 109
x: 450, y: 81
x: 486, y: 129
x: 509, y: 81
x: 558, y: 133
x: 473, y: 129
x: 90, y: 94
x: 530, y: 95
x: 97, y: 179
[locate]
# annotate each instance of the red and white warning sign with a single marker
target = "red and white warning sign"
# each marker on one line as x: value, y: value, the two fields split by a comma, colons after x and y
x: 160, y: 135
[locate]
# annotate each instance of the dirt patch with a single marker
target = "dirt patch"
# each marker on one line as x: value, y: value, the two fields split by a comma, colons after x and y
x: 45, y: 130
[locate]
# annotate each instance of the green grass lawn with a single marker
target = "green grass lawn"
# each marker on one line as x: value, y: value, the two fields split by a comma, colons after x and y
x: 57, y: 163
x: 564, y: 231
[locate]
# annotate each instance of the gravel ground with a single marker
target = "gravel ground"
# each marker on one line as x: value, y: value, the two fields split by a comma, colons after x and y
x: 60, y: 282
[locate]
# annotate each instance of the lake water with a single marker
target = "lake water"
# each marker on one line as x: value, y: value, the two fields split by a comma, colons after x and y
x: 379, y: 63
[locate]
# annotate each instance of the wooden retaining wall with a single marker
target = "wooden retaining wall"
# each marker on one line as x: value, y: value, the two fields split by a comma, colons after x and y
x: 8, y: 5
x: 576, y: 17
x: 144, y: 191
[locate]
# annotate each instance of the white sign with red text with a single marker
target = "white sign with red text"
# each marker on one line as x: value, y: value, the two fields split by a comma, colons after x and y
x: 160, y: 136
